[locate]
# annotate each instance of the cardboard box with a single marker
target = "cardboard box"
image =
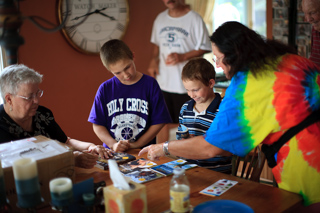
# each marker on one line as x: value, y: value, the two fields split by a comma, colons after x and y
x: 54, y: 159
x: 126, y: 201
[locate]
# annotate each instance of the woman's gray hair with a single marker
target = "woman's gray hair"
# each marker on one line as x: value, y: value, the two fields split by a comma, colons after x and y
x: 13, y: 76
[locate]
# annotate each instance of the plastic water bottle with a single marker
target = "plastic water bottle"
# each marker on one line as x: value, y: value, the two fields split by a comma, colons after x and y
x: 179, y: 191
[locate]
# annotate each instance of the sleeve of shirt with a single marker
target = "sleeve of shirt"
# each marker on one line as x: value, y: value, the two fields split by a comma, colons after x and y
x: 182, y: 111
x: 201, y: 35
x: 55, y: 130
x: 240, y: 126
x: 98, y: 111
x: 181, y: 116
x: 154, y: 39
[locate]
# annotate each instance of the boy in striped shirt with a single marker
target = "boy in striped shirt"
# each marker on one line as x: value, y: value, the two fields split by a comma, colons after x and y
x: 197, y: 114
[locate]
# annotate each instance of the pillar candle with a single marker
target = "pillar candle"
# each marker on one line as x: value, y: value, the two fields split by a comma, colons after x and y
x: 3, y: 199
x: 88, y: 199
x: 27, y: 184
x: 61, y: 191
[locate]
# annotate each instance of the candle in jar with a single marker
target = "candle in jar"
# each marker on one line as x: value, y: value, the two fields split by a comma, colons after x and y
x: 3, y: 199
x: 27, y: 184
x: 61, y: 191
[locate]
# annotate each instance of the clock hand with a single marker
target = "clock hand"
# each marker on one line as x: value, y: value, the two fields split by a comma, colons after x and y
x: 111, y: 17
x: 88, y: 14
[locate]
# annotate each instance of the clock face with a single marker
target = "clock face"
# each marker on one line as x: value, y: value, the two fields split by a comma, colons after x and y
x: 88, y: 29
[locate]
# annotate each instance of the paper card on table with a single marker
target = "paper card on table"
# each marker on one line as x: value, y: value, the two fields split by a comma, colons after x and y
x: 219, y: 187
x: 167, y: 168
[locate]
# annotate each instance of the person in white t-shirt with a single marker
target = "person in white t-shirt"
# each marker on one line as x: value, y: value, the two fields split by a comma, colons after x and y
x: 178, y: 35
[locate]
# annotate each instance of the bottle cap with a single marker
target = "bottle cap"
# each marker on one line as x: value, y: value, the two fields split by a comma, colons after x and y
x: 178, y: 171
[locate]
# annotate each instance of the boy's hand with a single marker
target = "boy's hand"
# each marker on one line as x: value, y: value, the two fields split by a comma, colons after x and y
x: 100, y: 150
x: 121, y: 146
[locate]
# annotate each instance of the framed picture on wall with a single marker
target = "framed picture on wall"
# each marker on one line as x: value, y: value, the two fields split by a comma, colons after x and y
x: 278, y: 23
x: 283, y: 39
x: 277, y: 32
x: 300, y: 17
x: 302, y: 40
x: 281, y: 3
x: 302, y: 51
x: 280, y: 13
x: 303, y: 30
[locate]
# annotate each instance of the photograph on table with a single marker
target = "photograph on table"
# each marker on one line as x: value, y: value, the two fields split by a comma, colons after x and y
x: 119, y: 157
x: 303, y: 30
x: 136, y: 164
x: 141, y: 175
x: 167, y: 168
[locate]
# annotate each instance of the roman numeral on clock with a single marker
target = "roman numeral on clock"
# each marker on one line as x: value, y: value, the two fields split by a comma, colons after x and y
x: 83, y: 43
x: 122, y: 10
x: 98, y: 46
x: 120, y: 27
x: 71, y: 30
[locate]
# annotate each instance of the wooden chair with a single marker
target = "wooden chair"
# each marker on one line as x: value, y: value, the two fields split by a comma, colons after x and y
x: 252, y: 165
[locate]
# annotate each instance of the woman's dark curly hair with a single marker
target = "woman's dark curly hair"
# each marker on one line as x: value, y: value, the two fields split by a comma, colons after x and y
x: 244, y: 49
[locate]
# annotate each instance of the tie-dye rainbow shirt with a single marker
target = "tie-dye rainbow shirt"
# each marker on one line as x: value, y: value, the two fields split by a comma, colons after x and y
x: 261, y: 109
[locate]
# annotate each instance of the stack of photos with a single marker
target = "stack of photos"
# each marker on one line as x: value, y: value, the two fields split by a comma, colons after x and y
x: 139, y: 170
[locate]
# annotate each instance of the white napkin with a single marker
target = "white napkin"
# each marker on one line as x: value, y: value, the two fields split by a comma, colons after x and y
x: 119, y: 181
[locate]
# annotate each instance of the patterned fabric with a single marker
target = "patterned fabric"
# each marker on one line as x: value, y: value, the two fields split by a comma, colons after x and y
x: 256, y: 110
x: 127, y: 111
x: 43, y: 124
x: 315, y: 47
x: 198, y: 124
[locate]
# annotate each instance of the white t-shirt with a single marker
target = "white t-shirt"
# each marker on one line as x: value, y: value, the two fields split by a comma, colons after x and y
x: 179, y: 35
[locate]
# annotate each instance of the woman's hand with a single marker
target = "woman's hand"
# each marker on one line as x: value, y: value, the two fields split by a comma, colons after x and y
x: 100, y: 150
x: 154, y: 151
x: 85, y: 160
x: 121, y: 146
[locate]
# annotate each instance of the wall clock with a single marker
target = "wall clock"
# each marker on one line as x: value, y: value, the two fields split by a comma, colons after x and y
x: 91, y: 23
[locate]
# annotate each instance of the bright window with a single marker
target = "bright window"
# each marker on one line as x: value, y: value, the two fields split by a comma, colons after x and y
x: 250, y: 13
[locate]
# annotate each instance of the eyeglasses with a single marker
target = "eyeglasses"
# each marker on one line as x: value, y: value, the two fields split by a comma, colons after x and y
x: 218, y: 59
x: 33, y: 96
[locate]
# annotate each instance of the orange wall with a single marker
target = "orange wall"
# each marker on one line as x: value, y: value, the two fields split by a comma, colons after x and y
x: 71, y: 78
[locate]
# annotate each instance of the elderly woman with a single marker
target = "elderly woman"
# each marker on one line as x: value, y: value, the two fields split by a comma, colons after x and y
x: 271, y: 90
x: 21, y: 116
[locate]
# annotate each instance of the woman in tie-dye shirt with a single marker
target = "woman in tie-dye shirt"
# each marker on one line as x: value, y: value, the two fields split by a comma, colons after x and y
x: 272, y: 89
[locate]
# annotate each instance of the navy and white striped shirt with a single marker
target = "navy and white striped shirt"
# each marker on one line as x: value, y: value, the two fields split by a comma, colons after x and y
x: 198, y: 123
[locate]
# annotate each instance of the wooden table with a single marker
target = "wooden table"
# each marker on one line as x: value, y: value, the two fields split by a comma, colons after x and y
x: 260, y: 197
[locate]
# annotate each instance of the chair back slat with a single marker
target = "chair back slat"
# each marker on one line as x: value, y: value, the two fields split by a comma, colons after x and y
x: 252, y: 165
